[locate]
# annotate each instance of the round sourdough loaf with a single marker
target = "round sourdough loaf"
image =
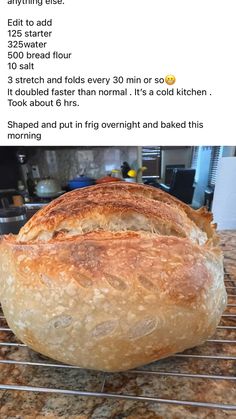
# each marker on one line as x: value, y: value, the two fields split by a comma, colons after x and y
x: 112, y: 277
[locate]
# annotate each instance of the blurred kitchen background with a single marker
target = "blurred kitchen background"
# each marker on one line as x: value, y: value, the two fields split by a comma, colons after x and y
x: 33, y: 176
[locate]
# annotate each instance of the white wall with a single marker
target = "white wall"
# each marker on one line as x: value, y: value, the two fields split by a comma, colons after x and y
x: 224, y: 201
x: 202, y: 173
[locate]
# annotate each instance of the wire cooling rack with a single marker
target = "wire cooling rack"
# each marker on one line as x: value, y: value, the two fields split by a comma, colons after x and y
x: 209, y: 365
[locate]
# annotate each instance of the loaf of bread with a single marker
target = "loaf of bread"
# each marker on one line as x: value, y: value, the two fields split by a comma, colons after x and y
x: 112, y: 277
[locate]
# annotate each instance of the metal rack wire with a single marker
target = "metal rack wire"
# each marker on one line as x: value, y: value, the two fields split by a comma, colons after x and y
x: 226, y: 329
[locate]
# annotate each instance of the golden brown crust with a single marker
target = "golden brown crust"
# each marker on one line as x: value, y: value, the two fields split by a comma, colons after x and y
x: 113, y: 277
x: 92, y: 256
x: 156, y: 212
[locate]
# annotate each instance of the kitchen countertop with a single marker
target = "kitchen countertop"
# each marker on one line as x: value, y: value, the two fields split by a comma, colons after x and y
x: 29, y: 405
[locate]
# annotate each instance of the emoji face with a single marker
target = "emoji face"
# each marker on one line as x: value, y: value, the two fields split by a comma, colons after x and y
x: 170, y: 79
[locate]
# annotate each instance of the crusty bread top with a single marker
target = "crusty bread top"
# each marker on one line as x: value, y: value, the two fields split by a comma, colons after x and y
x: 118, y: 207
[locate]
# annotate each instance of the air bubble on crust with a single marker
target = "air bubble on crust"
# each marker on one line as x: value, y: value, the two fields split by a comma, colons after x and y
x: 46, y: 280
x: 10, y: 280
x: 104, y: 329
x: 59, y: 233
x: 146, y: 283
x: 116, y: 282
x: 84, y: 281
x: 143, y: 328
x: 61, y: 322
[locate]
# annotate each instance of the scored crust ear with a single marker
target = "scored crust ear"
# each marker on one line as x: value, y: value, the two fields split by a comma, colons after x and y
x: 114, y: 207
